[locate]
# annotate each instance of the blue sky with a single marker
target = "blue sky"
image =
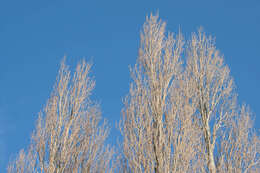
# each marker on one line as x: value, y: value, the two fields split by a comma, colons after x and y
x: 35, y: 35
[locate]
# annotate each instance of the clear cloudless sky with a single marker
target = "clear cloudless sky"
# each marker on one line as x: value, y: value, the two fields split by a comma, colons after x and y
x: 35, y: 35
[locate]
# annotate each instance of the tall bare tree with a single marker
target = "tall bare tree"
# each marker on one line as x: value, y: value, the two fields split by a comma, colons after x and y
x: 159, y: 135
x: 181, y: 113
x: 213, y: 91
x: 217, y: 113
x: 69, y: 136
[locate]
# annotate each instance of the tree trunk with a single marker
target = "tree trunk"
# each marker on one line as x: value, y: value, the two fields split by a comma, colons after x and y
x: 210, y: 149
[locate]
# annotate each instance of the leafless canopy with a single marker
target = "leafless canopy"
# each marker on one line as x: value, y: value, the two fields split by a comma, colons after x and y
x: 181, y: 113
x: 69, y: 136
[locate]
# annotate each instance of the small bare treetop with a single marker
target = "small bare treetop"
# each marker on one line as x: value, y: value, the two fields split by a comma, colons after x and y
x: 68, y: 136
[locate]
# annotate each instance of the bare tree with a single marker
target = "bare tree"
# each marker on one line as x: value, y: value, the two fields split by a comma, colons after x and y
x: 69, y: 136
x: 217, y: 115
x: 239, y: 148
x: 159, y: 135
x: 213, y: 91
x: 181, y: 114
